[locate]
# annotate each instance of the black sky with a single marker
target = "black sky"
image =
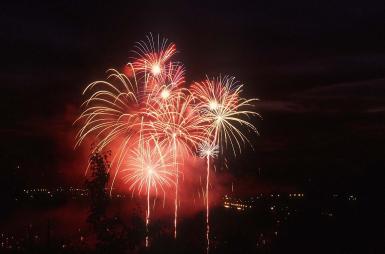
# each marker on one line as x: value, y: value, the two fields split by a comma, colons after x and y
x: 317, y: 67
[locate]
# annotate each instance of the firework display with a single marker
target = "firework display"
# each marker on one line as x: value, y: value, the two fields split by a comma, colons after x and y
x: 153, y: 121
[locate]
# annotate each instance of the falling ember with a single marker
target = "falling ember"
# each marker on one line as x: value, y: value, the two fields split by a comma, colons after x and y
x: 154, y: 123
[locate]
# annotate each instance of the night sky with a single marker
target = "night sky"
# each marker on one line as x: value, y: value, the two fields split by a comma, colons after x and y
x: 318, y: 69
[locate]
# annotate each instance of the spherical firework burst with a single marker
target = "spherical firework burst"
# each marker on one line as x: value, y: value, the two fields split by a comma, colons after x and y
x: 222, y: 106
x: 149, y: 168
x: 207, y: 149
x: 147, y: 110
x: 153, y: 57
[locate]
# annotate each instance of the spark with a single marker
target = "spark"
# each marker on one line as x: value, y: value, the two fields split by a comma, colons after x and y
x: 155, y: 69
x: 213, y: 105
x: 208, y: 149
x: 165, y: 94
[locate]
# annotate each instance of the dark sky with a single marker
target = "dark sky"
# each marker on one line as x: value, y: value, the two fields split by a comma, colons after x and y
x: 317, y: 67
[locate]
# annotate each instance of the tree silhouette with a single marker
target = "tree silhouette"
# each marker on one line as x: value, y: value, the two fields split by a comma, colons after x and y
x: 99, y: 198
x: 112, y: 235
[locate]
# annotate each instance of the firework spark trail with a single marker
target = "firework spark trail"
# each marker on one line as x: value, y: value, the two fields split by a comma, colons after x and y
x: 207, y: 204
x: 148, y: 212
x: 176, y: 189
x: 208, y: 150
